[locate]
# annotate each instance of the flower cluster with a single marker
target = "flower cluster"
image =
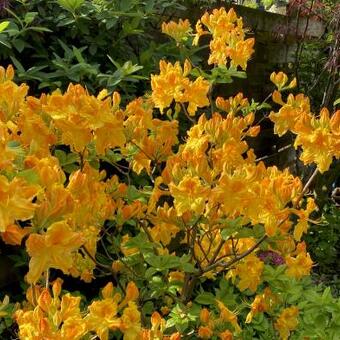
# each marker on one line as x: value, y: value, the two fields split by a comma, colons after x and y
x: 228, y: 38
x: 317, y: 135
x: 173, y: 84
x: 93, y: 187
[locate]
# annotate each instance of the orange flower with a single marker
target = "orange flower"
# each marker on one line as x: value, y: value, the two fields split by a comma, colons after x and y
x: 178, y: 31
x: 287, y: 322
x: 54, y: 249
x: 319, y: 139
x: 300, y: 265
x: 280, y: 79
x: 82, y: 118
x: 226, y: 315
x: 52, y: 318
x: 262, y: 303
x: 228, y: 41
x: 16, y: 201
x: 190, y: 194
x: 204, y: 332
x: 172, y: 84
x: 131, y: 322
x: 249, y: 271
x: 226, y: 335
x: 14, y: 234
x: 12, y: 95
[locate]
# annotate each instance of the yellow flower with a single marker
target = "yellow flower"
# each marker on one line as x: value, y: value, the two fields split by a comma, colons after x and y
x: 287, y: 322
x: 241, y: 53
x: 6, y: 74
x: 15, y: 234
x: 319, y: 139
x: 12, y: 95
x: 190, y: 194
x: 300, y: 265
x: 48, y: 170
x: 262, y: 303
x: 53, y: 318
x: 302, y: 225
x: 204, y: 315
x: 296, y: 109
x: 249, y: 271
x: 54, y: 249
x: 16, y: 201
x: 131, y: 322
x: 164, y: 232
x: 56, y: 203
x: 103, y: 317
x: 178, y: 31
x: 172, y: 84
x: 228, y: 43
x: 226, y: 315
x: 7, y: 154
x: 92, y: 204
x: 36, y: 130
x: 82, y: 118
x: 280, y: 79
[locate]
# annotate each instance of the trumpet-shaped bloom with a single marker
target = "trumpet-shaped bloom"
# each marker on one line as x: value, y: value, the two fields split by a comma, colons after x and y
x: 287, y: 322
x: 173, y: 84
x: 16, y: 201
x: 54, y: 249
x: 179, y: 31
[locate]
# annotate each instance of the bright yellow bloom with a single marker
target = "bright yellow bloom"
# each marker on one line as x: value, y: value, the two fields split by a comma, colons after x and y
x: 280, y: 80
x: 226, y: 315
x: 48, y: 170
x: 53, y: 318
x: 172, y: 84
x: 92, y: 204
x: 241, y: 53
x: 82, y: 118
x: 228, y: 35
x: 16, y: 201
x: 262, y: 303
x: 300, y: 265
x: 249, y: 271
x: 7, y: 154
x: 131, y: 322
x: 178, y: 31
x: 319, y: 139
x: 56, y: 203
x: 36, y: 130
x: 190, y: 195
x: 12, y: 95
x: 287, y: 322
x: 54, y: 249
x: 6, y: 74
x: 290, y: 113
x: 302, y: 226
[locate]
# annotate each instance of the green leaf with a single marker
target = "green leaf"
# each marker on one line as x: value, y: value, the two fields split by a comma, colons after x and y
x: 3, y: 25
x: 205, y: 299
x: 19, y: 44
x: 70, y: 5
x: 29, y: 17
x: 30, y: 176
x: 334, y: 104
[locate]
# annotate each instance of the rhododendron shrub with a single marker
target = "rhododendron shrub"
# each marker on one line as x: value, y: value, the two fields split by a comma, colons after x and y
x: 195, y: 237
